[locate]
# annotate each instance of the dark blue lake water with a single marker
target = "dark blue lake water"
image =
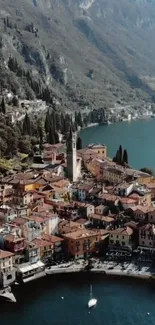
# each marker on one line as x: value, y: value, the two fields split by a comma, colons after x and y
x: 120, y: 302
x: 138, y: 137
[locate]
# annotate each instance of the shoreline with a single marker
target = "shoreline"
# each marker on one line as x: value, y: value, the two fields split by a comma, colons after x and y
x: 130, y: 271
x: 125, y: 120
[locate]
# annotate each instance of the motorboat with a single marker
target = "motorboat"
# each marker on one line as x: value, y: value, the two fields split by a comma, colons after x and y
x: 92, y: 301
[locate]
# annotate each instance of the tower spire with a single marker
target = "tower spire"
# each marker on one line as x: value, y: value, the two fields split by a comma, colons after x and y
x: 71, y: 155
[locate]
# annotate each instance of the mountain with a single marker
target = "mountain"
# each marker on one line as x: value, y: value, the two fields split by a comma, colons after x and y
x: 87, y: 53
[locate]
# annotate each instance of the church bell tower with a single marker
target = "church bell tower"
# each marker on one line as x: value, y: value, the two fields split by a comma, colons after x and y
x: 71, y: 156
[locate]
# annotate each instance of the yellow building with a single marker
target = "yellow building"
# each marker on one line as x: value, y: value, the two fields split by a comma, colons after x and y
x: 99, y: 149
x: 121, y: 237
x: 93, y: 151
x: 147, y: 236
x: 46, y: 248
x: 113, y: 175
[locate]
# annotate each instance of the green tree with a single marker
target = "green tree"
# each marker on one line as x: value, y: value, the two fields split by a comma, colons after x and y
x: 24, y: 144
x: 125, y: 157
x: 40, y: 130
x: 79, y: 119
x: 120, y: 154
x: 12, y: 141
x: 47, y: 122
x: 117, y: 157
x: 79, y: 143
x: 15, y: 101
x: 56, y: 137
x: 51, y: 136
x: 26, y: 125
x: 3, y: 106
x: 147, y: 170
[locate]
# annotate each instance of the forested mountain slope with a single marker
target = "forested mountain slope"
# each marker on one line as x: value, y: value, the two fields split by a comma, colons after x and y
x: 88, y: 53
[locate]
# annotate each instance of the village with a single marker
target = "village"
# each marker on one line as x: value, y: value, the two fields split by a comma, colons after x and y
x: 70, y: 206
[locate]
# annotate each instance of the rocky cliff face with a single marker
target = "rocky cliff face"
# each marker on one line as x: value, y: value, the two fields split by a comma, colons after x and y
x: 88, y: 53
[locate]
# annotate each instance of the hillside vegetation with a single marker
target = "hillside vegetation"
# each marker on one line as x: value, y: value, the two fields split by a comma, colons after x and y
x: 88, y: 53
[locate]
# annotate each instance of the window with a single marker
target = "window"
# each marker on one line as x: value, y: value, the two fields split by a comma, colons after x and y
x: 111, y: 236
x: 123, y: 237
x: 117, y: 236
x: 111, y: 241
x: 150, y: 243
x: 102, y: 151
x: 123, y: 243
x: 142, y: 242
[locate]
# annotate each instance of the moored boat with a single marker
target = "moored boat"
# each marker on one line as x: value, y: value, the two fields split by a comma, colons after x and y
x: 92, y: 301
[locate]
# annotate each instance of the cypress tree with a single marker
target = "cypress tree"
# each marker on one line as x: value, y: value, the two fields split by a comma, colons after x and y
x: 51, y: 136
x: 117, y: 157
x: 125, y: 157
x: 47, y: 122
x: 121, y: 154
x: 79, y: 119
x: 79, y: 143
x: 56, y: 137
x: 26, y: 125
x: 3, y: 106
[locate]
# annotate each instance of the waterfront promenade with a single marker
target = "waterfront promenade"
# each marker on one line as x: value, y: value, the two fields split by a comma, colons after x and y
x: 105, y: 268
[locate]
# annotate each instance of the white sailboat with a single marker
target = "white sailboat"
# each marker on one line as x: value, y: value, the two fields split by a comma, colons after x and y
x: 92, y: 301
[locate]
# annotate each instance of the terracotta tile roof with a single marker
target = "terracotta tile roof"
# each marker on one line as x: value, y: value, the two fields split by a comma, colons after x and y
x: 46, y: 215
x: 82, y: 221
x: 61, y: 183
x: 85, y: 187
x: 127, y: 200
x: 115, y: 171
x: 141, y: 209
x: 82, y: 204
x: 109, y: 197
x: 52, y: 239
x: 132, y: 224
x: 41, y: 243
x: 43, y: 208
x: 96, y: 146
x: 123, y: 231
x: 80, y: 234
x: 12, y: 238
x: 102, y: 218
x: 86, y: 151
x: 134, y: 196
x: 5, y: 254
x: 19, y: 221
x: 36, y: 219
x: 66, y: 226
x: 147, y: 227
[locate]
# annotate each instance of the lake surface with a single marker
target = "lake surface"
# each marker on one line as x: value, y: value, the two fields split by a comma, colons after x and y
x: 120, y: 302
x: 138, y: 137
